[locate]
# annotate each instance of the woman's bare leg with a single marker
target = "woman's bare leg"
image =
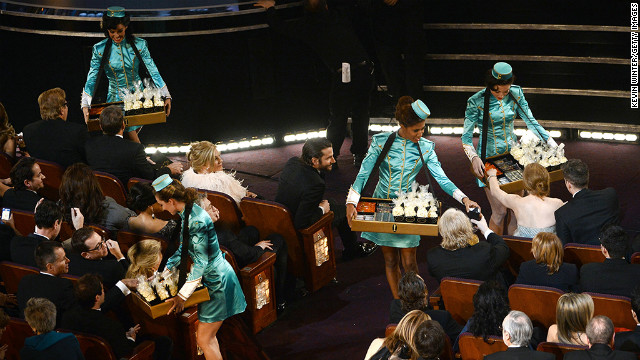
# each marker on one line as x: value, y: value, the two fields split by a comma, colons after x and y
x: 498, y: 213
x: 133, y: 136
x: 208, y: 341
x: 409, y: 262
x: 392, y: 268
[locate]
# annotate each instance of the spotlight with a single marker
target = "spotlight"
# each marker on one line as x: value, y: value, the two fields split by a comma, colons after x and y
x: 163, y: 149
x: 435, y: 130
x: 222, y: 147
x: 232, y: 146
x: 150, y: 150
x: 585, y: 134
x: 631, y: 137
x: 244, y: 144
x: 289, y: 138
x: 267, y: 141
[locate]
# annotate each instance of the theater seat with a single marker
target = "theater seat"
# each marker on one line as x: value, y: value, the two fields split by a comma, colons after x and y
x: 311, y: 254
x: 53, y: 174
x: 24, y: 221
x: 96, y: 348
x: 6, y: 163
x: 457, y: 296
x: 112, y: 187
x: 126, y: 239
x: 12, y: 273
x: 475, y: 348
x: 558, y: 349
x: 616, y: 308
x: 519, y: 252
x: 581, y: 254
x: 538, y: 302
x: 635, y: 258
x: 230, y: 215
x: 135, y: 180
x: 15, y: 334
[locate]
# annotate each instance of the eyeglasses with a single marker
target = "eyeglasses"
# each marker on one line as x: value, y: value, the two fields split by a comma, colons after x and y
x: 99, y: 246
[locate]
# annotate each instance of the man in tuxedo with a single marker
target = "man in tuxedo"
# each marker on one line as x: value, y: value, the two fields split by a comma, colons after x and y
x: 581, y: 218
x: 48, y: 217
x: 27, y: 178
x: 516, y: 333
x: 122, y: 158
x: 93, y: 254
x: 54, y: 138
x: 615, y: 275
x: 600, y: 339
x: 301, y: 189
x: 630, y: 340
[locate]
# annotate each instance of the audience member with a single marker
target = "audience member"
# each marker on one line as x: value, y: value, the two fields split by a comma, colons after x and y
x: 7, y: 134
x: 89, y: 255
x: 54, y: 138
x: 48, y: 218
x: 600, y: 338
x: 581, y: 218
x: 615, y: 275
x: 414, y: 296
x: 630, y: 340
x: 534, y: 212
x: 122, y: 158
x: 141, y: 199
x: 80, y: 189
x: 516, y: 334
x: 206, y: 172
x: 301, y: 188
x: 461, y: 255
x: 145, y: 257
x: 490, y: 306
x: 27, y: 179
x: 547, y: 268
x: 573, y: 313
x: 41, y: 313
x: 402, y: 342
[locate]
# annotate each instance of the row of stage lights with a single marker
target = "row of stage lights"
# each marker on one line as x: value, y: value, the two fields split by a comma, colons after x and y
x: 269, y: 141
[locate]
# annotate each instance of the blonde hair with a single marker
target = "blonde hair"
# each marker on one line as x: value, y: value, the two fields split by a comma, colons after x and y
x: 51, y: 102
x: 536, y: 180
x: 143, y: 256
x: 547, y: 249
x: 201, y: 155
x: 456, y: 230
x: 573, y: 313
x: 405, y: 332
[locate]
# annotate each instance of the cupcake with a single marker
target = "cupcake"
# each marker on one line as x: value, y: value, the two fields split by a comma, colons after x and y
x: 410, y: 213
x: 158, y: 104
x: 137, y: 108
x: 422, y: 214
x: 148, y: 105
x: 432, y: 216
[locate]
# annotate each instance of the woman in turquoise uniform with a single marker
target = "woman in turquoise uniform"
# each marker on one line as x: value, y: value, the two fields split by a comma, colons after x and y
x: 122, y: 67
x: 199, y: 241
x: 398, y: 171
x: 504, y: 101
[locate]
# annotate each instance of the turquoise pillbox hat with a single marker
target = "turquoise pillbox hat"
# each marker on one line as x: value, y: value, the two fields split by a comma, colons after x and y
x: 115, y: 11
x: 420, y: 109
x: 502, y: 71
x: 161, y: 182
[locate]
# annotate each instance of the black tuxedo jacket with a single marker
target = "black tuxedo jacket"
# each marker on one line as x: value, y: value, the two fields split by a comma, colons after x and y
x: 613, y: 276
x: 96, y: 322
x: 23, y: 248
x: 20, y: 199
x: 581, y: 218
x: 450, y: 326
x: 479, y: 262
x: 301, y: 189
x: 56, y: 140
x: 565, y: 279
x: 109, y: 268
x: 59, y: 291
x: 520, y: 353
x: 122, y: 158
x: 628, y: 340
x: 600, y: 351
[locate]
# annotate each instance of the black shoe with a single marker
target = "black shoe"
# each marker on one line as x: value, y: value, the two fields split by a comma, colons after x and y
x: 367, y: 248
x: 280, y: 308
x: 357, y: 159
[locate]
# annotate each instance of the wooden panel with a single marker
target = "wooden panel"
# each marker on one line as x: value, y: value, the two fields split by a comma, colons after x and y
x: 538, y: 302
x: 616, y: 308
x: 230, y: 215
x: 112, y: 187
x: 519, y: 252
x: 457, y: 295
x: 558, y: 349
x: 11, y: 274
x: 53, y: 173
x: 581, y: 254
x: 475, y: 348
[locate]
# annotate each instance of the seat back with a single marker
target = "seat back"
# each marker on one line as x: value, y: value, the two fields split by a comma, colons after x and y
x: 53, y: 178
x: 112, y: 187
x: 6, y: 163
x: 126, y: 239
x: 12, y: 273
x: 457, y: 295
x: 94, y: 347
x: 15, y: 334
x: 134, y: 180
x: 230, y: 215
x: 538, y: 302
x: 475, y: 348
x: 519, y: 252
x: 635, y: 258
x: 24, y: 221
x: 616, y: 308
x: 559, y: 349
x: 581, y: 254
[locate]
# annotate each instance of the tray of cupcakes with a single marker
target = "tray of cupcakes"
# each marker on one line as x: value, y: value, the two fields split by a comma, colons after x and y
x: 151, y: 294
x: 414, y: 213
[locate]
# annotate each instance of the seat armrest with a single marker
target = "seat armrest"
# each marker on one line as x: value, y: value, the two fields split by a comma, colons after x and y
x: 190, y: 315
x: 144, y: 351
x: 324, y: 220
x: 265, y: 261
x: 435, y: 299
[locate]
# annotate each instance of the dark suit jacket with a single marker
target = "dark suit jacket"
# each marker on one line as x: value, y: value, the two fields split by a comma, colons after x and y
x: 59, y: 291
x: 479, y: 262
x: 628, y: 340
x: 109, y: 268
x: 23, y: 248
x: 600, y: 351
x: 613, y: 276
x: 122, y: 158
x: 450, y: 326
x: 581, y: 218
x: 301, y: 189
x: 564, y: 279
x: 519, y: 353
x: 56, y: 140
x: 96, y: 322
x: 20, y: 199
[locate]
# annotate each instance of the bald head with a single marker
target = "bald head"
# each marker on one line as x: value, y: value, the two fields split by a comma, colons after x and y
x: 600, y: 330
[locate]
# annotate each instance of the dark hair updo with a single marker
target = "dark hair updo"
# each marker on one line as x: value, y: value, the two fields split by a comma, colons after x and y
x: 111, y: 22
x: 140, y: 197
x: 405, y: 114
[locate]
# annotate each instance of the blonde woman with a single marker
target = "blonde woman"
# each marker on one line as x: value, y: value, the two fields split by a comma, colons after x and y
x: 573, y: 313
x: 547, y: 268
x: 206, y: 172
x: 534, y: 212
x: 461, y: 254
x: 145, y: 257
